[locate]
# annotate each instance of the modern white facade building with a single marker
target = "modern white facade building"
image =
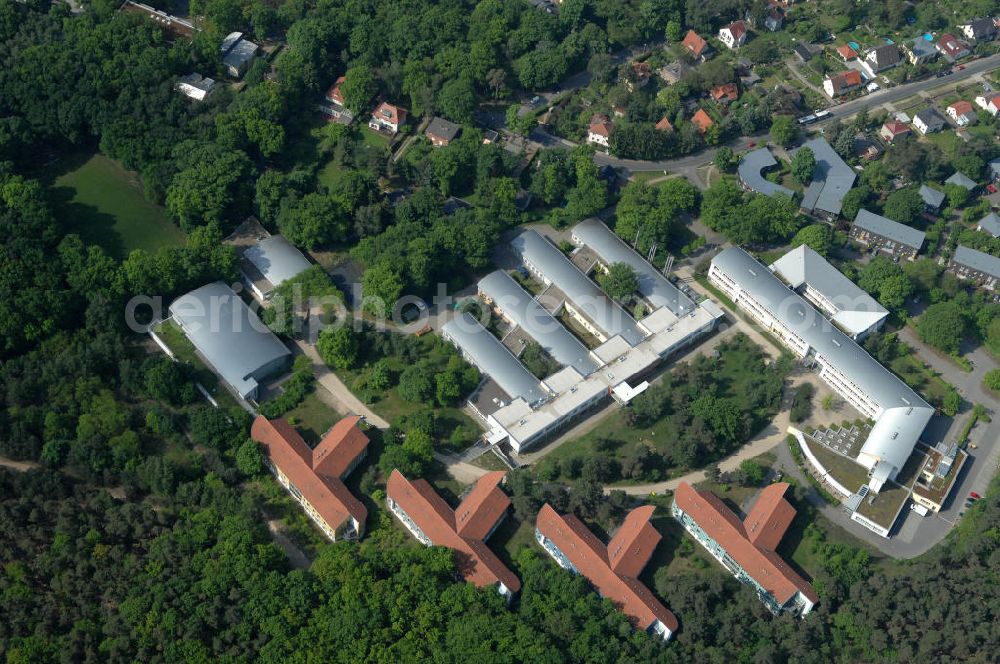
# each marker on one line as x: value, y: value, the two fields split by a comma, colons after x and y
x: 899, y: 414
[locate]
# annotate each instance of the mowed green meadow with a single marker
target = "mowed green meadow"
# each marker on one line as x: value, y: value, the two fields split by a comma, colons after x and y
x: 104, y: 204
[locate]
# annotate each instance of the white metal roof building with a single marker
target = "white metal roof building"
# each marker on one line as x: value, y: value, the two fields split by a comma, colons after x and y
x: 482, y: 349
x: 276, y: 260
x: 852, y: 309
x: 521, y: 309
x: 612, y: 249
x: 230, y: 336
x: 889, y: 229
x: 545, y: 260
x: 900, y: 414
x: 832, y: 179
x: 752, y: 177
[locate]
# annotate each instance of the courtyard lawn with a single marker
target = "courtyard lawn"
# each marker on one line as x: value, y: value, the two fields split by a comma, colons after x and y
x: 104, y: 204
x: 312, y: 417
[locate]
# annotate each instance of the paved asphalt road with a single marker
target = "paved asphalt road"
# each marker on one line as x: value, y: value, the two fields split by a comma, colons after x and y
x: 900, y: 92
x: 840, y: 111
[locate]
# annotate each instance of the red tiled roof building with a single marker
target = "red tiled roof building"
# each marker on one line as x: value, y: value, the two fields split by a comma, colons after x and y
x: 702, y: 121
x: 694, y: 43
x: 747, y: 548
x: 613, y: 569
x: 464, y: 530
x: 315, y: 477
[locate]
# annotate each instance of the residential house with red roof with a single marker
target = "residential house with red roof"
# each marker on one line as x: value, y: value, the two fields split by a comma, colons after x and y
x: 989, y: 104
x: 747, y: 548
x: 464, y: 530
x: 599, y: 131
x: 893, y: 129
x: 952, y: 48
x: 664, y: 124
x: 846, y: 53
x: 315, y: 477
x: 387, y: 117
x: 841, y: 83
x: 725, y: 94
x: 613, y: 569
x: 702, y: 121
x: 696, y: 46
x: 333, y: 105
x: 638, y: 75
x: 733, y: 35
x: 962, y: 113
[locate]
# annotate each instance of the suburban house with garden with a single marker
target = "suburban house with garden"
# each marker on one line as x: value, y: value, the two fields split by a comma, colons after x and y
x: 237, y: 53
x: 928, y: 121
x: 842, y: 83
x: 733, y: 35
x: 195, y: 86
x: 962, y: 113
x: 333, y: 105
x: 612, y: 569
x: 441, y: 132
x: 952, y: 48
x: 980, y: 29
x: 696, y: 46
x: 599, y: 131
x: 315, y: 477
x: 920, y: 50
x: 881, y: 58
x: 387, y: 118
x: 894, y: 129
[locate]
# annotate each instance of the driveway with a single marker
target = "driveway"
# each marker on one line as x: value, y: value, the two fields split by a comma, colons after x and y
x: 344, y: 399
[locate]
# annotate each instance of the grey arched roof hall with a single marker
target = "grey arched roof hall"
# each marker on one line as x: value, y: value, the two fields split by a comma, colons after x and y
x: 586, y: 297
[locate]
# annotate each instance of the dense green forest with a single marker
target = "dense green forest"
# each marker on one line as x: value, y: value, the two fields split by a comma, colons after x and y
x: 141, y: 535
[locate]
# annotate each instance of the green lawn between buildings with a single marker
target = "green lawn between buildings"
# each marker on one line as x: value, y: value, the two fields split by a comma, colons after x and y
x: 103, y: 203
x: 171, y: 334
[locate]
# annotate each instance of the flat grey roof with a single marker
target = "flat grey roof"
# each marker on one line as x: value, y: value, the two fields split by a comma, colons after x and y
x: 905, y: 414
x: 990, y: 224
x: 750, y: 173
x: 493, y: 358
x: 857, y: 311
x: 961, y: 179
x: 832, y: 179
x: 921, y: 46
x: 929, y: 116
x: 652, y: 284
x: 525, y: 312
x: 586, y: 297
x: 931, y: 197
x: 889, y: 229
x: 228, y: 334
x: 978, y: 260
x: 276, y: 259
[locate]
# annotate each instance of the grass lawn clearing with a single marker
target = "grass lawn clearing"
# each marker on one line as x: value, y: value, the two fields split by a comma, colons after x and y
x: 104, y: 204
x: 313, y: 417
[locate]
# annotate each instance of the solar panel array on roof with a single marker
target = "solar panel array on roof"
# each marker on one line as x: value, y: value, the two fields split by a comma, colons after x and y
x: 586, y: 297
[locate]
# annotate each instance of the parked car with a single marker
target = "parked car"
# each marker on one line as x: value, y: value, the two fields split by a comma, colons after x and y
x: 974, y: 495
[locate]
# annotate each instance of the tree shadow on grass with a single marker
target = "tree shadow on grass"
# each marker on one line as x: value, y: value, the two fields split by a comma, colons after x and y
x: 92, y: 225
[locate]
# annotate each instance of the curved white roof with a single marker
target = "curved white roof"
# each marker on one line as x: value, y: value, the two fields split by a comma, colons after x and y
x: 525, y: 312
x: 612, y: 249
x: 855, y: 311
x: 578, y: 287
x: 276, y: 259
x: 493, y: 358
x: 228, y: 334
x: 903, y: 416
